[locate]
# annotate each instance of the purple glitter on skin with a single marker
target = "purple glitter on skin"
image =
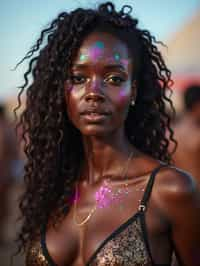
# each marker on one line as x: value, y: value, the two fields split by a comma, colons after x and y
x: 96, y: 53
x: 125, y: 61
x: 97, y: 50
x: 102, y: 197
x: 105, y: 197
x: 123, y: 93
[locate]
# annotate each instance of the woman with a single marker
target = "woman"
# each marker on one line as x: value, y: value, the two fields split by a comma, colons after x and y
x: 99, y: 188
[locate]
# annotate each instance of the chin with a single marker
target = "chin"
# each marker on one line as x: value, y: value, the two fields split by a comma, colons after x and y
x: 96, y: 131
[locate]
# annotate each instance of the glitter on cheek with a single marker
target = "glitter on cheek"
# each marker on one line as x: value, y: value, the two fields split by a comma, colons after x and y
x: 78, y: 91
x: 123, y: 93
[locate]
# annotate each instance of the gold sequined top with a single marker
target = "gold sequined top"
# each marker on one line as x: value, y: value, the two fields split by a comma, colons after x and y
x: 126, y: 246
x: 35, y: 255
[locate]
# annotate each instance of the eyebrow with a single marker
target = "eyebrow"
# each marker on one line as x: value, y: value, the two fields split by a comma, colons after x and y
x: 110, y: 66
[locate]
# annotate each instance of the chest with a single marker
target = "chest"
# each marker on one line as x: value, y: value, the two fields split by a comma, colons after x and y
x: 117, y: 230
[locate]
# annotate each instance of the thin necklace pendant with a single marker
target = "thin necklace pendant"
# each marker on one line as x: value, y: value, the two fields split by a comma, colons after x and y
x: 82, y: 223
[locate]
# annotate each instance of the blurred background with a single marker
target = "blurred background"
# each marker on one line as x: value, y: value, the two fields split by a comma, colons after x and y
x: 176, y: 23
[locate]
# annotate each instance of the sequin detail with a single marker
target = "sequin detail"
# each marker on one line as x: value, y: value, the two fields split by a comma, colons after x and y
x: 125, y: 249
x: 35, y: 256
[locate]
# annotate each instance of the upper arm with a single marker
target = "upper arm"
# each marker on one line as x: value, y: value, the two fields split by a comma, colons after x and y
x: 180, y: 203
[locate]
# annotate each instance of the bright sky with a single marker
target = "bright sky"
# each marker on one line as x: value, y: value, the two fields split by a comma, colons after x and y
x: 22, y: 20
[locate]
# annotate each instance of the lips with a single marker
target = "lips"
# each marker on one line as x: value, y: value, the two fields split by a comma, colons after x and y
x: 95, y: 114
x: 94, y: 111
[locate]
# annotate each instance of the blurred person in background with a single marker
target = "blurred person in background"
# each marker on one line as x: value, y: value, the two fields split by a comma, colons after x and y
x: 187, y: 133
x: 8, y: 159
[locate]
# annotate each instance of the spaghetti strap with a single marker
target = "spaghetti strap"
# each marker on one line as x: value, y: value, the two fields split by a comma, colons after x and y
x: 147, y: 193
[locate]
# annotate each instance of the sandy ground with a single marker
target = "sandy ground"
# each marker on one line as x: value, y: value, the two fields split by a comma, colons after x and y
x: 10, y: 230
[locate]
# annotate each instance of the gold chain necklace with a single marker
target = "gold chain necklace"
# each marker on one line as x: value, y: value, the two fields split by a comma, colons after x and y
x: 124, y: 172
x: 75, y: 210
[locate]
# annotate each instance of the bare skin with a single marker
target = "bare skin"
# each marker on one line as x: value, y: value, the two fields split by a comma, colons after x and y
x: 174, y: 202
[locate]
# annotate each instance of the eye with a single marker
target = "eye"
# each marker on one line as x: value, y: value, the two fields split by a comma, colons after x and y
x: 78, y: 79
x: 115, y: 80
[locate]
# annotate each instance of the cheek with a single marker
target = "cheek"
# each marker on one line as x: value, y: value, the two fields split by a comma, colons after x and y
x: 76, y: 90
x: 122, y: 97
x: 71, y: 99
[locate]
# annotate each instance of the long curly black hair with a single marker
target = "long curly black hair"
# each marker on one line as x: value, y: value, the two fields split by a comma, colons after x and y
x: 53, y: 146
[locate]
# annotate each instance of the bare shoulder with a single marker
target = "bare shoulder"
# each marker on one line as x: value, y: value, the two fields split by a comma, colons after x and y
x: 176, y: 181
x: 176, y: 192
x: 178, y: 198
x: 169, y: 179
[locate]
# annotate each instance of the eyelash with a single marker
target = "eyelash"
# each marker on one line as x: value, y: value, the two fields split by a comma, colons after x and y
x: 74, y: 77
x: 117, y: 83
x: 120, y: 79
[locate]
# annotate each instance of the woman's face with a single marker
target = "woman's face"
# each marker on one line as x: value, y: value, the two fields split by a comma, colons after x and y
x: 99, y: 91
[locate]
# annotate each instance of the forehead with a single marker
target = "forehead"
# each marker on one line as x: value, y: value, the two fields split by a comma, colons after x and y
x: 100, y: 44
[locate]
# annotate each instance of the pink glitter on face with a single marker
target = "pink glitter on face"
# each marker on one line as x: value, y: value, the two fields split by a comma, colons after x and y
x: 125, y: 61
x: 123, y: 93
x: 97, y: 50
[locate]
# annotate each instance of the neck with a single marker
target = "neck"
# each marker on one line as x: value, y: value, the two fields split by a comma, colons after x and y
x: 105, y: 155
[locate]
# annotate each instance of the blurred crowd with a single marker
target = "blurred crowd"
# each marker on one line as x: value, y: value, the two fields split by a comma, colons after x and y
x: 187, y: 132
x: 12, y: 161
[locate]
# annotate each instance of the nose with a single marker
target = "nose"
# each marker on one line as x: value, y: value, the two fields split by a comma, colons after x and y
x: 94, y: 96
x: 95, y: 91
